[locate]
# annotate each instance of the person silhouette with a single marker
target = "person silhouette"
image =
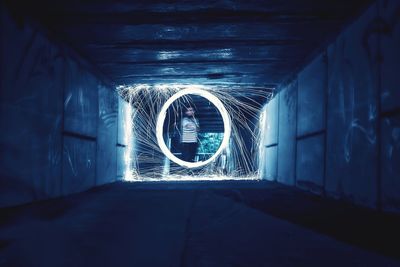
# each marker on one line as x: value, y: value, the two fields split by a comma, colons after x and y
x: 189, y: 140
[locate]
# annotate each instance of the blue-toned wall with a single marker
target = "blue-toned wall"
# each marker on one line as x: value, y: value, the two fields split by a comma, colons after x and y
x: 353, y: 113
x: 287, y: 134
x: 346, y: 142
x: 58, y: 119
x: 269, y: 140
x: 124, y: 113
x: 389, y: 87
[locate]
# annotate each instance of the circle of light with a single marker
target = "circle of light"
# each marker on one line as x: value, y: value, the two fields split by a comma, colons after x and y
x: 161, y: 118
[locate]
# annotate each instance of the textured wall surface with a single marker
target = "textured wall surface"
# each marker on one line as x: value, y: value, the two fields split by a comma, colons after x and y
x: 269, y: 139
x: 270, y: 136
x: 287, y: 134
x: 389, y: 54
x: 390, y: 163
x: 123, y: 116
x: 80, y: 100
x: 31, y: 114
x: 269, y: 171
x: 107, y: 136
x: 390, y: 104
x: 311, y: 97
x: 310, y: 163
x: 348, y: 124
x: 352, y: 113
x: 79, y: 164
x: 57, y: 118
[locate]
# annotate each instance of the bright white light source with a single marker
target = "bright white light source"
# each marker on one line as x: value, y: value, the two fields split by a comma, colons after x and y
x: 161, y: 118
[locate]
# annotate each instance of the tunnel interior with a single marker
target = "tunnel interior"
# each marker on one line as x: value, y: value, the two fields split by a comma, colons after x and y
x: 154, y: 48
x: 300, y: 82
x: 296, y: 109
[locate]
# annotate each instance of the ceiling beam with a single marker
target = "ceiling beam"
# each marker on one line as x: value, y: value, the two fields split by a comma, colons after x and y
x: 200, y: 16
x: 184, y: 62
x: 190, y: 44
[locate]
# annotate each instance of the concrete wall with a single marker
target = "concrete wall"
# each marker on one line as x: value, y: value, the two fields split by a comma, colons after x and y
x: 352, y: 113
x: 389, y: 88
x: 287, y: 134
x: 269, y: 141
x: 58, y: 120
x: 124, y: 113
x: 347, y: 120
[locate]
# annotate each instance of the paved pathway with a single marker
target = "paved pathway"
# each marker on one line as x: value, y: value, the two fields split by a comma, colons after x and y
x: 172, y: 224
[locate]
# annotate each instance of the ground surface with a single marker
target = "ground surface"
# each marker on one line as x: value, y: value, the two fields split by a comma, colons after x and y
x: 196, y: 224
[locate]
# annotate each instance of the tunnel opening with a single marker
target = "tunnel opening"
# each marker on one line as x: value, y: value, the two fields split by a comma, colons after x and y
x: 227, y: 139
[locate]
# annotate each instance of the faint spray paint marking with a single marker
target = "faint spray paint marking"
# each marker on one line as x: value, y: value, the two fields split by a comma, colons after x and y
x: 67, y: 99
x: 369, y: 134
x: 71, y: 164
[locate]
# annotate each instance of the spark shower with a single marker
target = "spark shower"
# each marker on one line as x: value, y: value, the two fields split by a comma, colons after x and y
x: 147, y: 156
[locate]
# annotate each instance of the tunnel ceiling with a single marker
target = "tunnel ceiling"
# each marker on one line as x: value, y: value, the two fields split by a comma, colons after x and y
x: 238, y: 44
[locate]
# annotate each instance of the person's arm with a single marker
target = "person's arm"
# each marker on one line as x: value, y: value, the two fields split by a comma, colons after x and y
x: 197, y: 124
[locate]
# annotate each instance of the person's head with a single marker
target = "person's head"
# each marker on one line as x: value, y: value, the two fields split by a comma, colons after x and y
x: 189, y: 111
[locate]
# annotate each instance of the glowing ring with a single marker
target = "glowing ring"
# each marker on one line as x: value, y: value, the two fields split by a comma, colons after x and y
x: 161, y: 118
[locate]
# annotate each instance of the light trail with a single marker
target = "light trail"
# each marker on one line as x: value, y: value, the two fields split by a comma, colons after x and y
x: 146, y: 160
x: 161, y: 119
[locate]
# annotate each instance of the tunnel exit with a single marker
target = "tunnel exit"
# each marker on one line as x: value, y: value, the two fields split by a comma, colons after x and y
x: 224, y: 138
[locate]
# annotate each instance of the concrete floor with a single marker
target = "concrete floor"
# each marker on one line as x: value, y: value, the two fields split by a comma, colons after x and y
x: 194, y: 224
